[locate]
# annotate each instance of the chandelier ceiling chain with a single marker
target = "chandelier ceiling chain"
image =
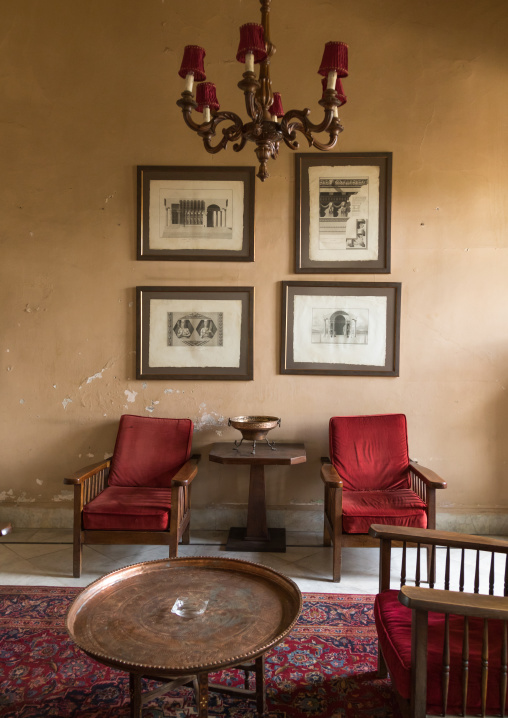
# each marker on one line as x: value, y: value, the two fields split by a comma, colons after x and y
x: 268, y: 124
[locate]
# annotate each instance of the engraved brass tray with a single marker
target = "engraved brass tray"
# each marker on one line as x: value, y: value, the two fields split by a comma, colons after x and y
x: 125, y: 619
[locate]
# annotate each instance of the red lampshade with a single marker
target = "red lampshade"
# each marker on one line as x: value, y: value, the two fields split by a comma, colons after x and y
x: 276, y: 108
x: 251, y: 40
x: 338, y: 89
x: 334, y: 59
x: 206, y: 96
x: 192, y: 63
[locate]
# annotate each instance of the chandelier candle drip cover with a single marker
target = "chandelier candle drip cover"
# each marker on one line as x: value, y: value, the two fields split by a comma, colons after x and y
x: 268, y: 125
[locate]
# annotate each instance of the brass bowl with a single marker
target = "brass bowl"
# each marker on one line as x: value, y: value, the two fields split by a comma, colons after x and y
x: 254, y: 428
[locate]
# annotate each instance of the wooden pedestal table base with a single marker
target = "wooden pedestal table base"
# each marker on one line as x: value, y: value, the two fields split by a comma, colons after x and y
x: 257, y: 536
x: 125, y: 620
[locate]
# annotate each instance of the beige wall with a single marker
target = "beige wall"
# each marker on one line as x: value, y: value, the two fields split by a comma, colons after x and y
x: 88, y: 91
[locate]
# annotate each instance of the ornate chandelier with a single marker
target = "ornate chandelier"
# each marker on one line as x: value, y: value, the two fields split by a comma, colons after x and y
x: 268, y: 124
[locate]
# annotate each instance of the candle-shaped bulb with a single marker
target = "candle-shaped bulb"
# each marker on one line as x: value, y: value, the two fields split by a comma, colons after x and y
x: 332, y: 79
x: 249, y: 62
x: 206, y: 114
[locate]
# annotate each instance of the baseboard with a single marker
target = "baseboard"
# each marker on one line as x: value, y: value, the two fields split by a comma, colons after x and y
x: 220, y: 517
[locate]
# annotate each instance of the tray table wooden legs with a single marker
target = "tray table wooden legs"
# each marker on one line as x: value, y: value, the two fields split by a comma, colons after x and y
x: 202, y: 688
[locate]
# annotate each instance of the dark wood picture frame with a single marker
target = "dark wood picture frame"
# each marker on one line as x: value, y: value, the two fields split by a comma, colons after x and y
x: 322, y: 245
x: 195, y: 213
x: 195, y: 333
x: 340, y: 328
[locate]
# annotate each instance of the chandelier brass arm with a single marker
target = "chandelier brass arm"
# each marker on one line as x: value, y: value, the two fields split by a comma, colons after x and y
x: 264, y: 128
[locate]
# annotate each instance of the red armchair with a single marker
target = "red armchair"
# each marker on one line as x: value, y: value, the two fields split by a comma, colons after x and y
x: 369, y: 479
x: 142, y: 494
x: 446, y: 649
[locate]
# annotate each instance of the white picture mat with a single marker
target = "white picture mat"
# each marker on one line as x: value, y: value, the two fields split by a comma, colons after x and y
x: 227, y: 355
x: 371, y: 354
x: 206, y: 238
x: 367, y: 203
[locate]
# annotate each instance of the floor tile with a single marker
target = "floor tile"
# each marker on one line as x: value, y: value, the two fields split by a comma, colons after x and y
x: 44, y: 557
x: 33, y: 550
x: 18, y: 536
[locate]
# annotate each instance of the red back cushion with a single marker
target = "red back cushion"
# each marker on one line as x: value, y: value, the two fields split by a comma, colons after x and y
x: 370, y: 452
x: 149, y: 451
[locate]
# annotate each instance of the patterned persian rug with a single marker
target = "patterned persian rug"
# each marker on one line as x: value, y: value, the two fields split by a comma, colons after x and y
x: 325, y: 668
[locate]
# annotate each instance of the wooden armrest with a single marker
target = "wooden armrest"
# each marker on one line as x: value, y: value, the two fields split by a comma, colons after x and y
x: 429, y: 477
x: 456, y: 602
x: 87, y: 472
x: 187, y: 472
x: 438, y: 538
x: 330, y: 476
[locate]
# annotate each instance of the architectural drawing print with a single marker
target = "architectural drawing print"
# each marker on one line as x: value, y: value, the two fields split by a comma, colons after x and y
x: 195, y: 329
x: 196, y: 214
x: 343, y: 212
x: 338, y: 326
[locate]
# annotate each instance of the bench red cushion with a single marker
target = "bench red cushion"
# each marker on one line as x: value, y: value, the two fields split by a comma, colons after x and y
x: 136, y: 508
x: 393, y: 623
x: 360, y: 509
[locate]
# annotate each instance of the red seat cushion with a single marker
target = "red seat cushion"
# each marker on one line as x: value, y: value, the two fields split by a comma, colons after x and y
x: 360, y: 509
x: 393, y: 623
x: 149, y: 451
x: 129, y: 509
x: 370, y: 452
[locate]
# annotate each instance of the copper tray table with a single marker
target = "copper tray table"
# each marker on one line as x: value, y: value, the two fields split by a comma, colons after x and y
x: 125, y: 620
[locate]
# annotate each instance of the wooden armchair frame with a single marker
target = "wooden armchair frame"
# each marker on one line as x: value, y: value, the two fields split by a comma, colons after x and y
x: 424, y: 482
x: 91, y: 480
x: 447, y: 601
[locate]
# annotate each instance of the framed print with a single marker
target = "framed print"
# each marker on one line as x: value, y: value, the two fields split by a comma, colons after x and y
x: 340, y: 328
x: 195, y: 333
x: 196, y: 213
x: 343, y: 212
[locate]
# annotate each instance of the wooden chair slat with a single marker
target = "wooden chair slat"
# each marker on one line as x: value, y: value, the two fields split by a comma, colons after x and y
x: 446, y: 663
x: 485, y: 665
x: 447, y: 570
x: 503, y: 678
x: 403, y: 568
x: 477, y: 573
x: 417, y: 576
x: 432, y: 570
x: 491, y: 574
x: 465, y: 664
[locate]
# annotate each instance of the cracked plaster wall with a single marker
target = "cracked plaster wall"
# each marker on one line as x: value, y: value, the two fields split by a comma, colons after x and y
x: 88, y: 91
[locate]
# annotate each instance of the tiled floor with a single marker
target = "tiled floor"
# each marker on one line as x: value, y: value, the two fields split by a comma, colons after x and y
x: 43, y: 557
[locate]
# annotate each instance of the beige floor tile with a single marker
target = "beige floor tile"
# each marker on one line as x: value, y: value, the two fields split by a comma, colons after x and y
x: 33, y: 550
x: 19, y: 536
